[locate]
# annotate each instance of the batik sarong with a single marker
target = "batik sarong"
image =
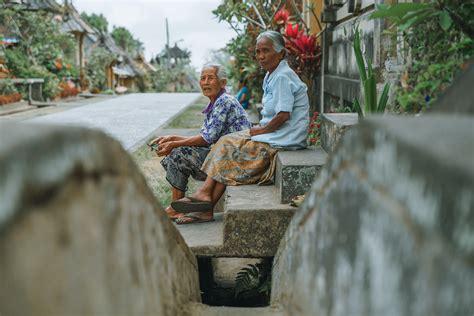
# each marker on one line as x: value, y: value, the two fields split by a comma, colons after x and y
x: 235, y: 159
x: 182, y: 163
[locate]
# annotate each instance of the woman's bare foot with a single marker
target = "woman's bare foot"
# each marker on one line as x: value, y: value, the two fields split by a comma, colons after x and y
x: 172, y: 214
x: 195, y: 217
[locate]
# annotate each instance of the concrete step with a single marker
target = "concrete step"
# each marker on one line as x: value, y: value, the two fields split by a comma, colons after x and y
x: 254, y: 221
x: 295, y: 171
x: 198, y: 309
x: 204, y: 239
x: 251, y: 226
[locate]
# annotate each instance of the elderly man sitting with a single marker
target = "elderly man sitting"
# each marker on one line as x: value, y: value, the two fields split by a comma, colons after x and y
x: 185, y: 155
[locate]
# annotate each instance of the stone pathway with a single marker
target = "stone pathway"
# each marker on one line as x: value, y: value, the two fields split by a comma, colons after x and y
x: 129, y: 119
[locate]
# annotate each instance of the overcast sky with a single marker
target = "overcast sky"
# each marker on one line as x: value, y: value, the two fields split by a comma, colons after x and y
x: 191, y: 23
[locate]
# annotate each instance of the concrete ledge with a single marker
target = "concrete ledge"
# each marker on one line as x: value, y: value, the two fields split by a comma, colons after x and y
x: 333, y: 127
x: 81, y: 233
x: 296, y: 170
x: 388, y: 228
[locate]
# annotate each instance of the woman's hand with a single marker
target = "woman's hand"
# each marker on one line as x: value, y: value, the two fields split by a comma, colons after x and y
x: 163, y: 139
x: 166, y: 148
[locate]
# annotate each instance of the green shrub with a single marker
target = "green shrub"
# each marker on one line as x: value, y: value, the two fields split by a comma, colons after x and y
x: 7, y: 87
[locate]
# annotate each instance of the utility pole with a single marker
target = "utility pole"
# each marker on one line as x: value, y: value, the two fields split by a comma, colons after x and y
x: 168, y: 57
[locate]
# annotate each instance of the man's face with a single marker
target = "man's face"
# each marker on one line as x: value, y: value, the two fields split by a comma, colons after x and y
x: 266, y: 55
x: 210, y: 84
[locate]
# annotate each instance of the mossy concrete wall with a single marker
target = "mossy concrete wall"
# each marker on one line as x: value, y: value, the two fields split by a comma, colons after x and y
x: 388, y: 226
x: 81, y: 233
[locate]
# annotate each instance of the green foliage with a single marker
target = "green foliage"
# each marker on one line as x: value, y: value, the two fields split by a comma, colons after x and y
x: 98, y: 21
x: 446, y: 13
x: 96, y: 68
x: 7, y: 87
x: 125, y: 40
x: 254, y: 280
x: 440, y: 45
x: 43, y: 52
x: 176, y: 76
x: 369, y: 83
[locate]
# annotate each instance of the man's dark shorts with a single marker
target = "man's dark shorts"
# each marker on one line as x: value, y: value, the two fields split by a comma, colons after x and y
x: 183, y: 162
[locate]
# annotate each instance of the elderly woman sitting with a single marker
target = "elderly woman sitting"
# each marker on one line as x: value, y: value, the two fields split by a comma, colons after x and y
x: 185, y: 155
x: 248, y: 157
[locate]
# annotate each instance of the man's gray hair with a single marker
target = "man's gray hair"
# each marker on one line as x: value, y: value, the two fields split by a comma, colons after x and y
x: 276, y: 38
x: 221, y: 72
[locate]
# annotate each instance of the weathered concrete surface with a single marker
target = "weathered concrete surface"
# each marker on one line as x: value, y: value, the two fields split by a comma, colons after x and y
x: 204, y: 239
x: 252, y: 225
x: 254, y: 221
x: 80, y: 232
x: 333, y: 127
x: 197, y: 309
x: 296, y: 170
x: 388, y: 228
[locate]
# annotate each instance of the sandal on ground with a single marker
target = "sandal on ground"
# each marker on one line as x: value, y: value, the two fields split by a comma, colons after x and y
x: 192, y: 218
x: 189, y: 204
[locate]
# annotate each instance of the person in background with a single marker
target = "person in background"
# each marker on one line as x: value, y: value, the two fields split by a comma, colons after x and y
x: 185, y: 155
x: 243, y: 95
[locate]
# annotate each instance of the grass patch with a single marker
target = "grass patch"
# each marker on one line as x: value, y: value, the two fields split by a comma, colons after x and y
x: 191, y: 117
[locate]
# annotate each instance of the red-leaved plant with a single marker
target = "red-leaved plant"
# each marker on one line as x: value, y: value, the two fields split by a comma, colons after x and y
x: 304, y: 51
x: 314, y: 132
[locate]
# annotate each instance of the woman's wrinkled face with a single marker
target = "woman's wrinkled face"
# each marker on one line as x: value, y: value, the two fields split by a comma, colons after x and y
x: 210, y: 84
x: 266, y: 55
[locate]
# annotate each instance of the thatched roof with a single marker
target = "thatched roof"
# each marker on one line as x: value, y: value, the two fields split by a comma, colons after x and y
x: 49, y: 5
x: 73, y: 23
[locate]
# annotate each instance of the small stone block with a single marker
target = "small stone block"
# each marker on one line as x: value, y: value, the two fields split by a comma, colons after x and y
x: 333, y: 126
x: 295, y: 171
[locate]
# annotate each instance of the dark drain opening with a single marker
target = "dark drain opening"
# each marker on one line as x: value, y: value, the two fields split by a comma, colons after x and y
x: 235, y: 282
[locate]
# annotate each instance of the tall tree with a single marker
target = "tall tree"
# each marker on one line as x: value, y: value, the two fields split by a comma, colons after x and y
x: 125, y: 40
x: 97, y: 21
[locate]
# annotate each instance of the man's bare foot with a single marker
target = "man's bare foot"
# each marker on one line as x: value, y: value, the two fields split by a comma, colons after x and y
x: 172, y: 214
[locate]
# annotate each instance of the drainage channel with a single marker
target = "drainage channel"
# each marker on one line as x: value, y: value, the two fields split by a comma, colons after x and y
x: 235, y: 282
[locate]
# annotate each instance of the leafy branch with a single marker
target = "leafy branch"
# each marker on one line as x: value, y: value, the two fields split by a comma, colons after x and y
x: 254, y: 280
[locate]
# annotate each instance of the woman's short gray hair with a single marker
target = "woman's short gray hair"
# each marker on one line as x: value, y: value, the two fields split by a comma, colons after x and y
x: 276, y: 38
x: 221, y: 72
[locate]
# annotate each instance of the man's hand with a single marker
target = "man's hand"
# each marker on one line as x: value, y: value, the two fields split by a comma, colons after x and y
x: 276, y: 122
x: 166, y: 148
x: 256, y: 130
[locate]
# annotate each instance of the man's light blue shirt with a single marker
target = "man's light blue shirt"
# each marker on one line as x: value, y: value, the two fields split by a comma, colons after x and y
x: 283, y: 91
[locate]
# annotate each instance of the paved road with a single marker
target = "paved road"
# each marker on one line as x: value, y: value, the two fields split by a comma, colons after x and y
x: 129, y: 119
